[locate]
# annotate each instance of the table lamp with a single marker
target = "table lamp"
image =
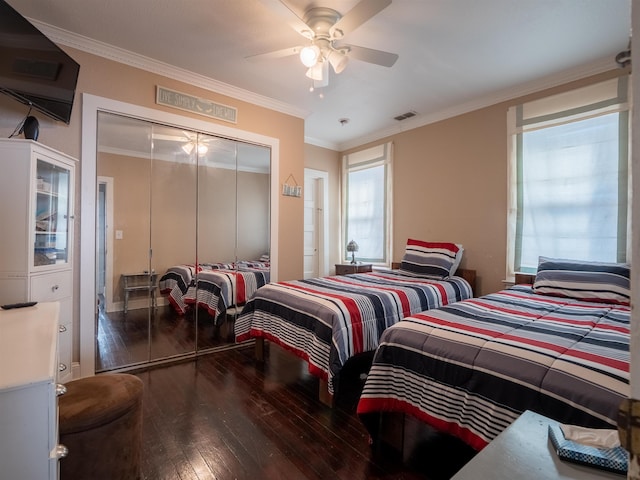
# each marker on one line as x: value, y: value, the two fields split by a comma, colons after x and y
x: 353, y: 248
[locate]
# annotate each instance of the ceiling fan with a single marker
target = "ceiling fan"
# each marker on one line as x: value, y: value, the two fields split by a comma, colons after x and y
x: 324, y: 28
x: 187, y: 140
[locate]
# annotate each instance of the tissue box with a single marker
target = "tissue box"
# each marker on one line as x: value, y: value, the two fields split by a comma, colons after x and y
x: 612, y: 459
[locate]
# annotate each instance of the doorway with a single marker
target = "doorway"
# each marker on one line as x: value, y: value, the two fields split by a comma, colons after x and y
x: 104, y: 248
x: 316, y: 223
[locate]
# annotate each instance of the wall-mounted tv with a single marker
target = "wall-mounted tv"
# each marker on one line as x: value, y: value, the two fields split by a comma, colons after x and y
x: 33, y: 69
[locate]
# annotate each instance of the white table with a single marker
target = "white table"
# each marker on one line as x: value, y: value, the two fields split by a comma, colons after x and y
x: 524, y: 452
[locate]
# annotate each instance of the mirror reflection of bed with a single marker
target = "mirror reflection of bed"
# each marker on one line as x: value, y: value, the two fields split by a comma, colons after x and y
x: 168, y: 198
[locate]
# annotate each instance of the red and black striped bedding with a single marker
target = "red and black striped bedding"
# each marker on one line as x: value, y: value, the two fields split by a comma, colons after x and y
x: 471, y: 368
x: 215, y: 287
x: 326, y: 321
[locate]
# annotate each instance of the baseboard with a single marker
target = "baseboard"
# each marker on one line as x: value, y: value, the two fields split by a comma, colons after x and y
x: 136, y: 303
x: 75, y: 370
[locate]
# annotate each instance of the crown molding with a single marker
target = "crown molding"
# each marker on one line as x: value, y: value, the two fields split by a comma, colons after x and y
x: 322, y: 143
x: 94, y: 47
x: 599, y: 66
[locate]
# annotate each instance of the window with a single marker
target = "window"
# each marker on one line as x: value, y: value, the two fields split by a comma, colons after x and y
x: 367, y: 203
x: 568, y: 180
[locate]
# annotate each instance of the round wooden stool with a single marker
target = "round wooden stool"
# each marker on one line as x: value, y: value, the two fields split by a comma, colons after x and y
x: 100, y: 423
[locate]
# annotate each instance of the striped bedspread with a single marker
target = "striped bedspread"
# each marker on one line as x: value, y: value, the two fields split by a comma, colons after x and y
x: 325, y: 321
x: 471, y: 368
x: 215, y: 288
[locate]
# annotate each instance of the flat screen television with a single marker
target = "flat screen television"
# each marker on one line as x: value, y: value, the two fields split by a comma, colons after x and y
x: 33, y: 69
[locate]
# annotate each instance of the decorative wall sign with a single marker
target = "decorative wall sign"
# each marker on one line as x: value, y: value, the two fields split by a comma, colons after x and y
x: 201, y: 106
x: 289, y: 190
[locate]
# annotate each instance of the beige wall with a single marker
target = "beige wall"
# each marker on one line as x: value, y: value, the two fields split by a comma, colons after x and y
x: 253, y: 215
x: 450, y: 184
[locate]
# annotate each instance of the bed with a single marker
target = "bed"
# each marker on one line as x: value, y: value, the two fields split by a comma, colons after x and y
x: 326, y: 321
x: 558, y: 346
x: 216, y: 287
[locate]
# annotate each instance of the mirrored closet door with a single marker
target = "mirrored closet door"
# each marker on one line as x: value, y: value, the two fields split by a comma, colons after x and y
x: 182, y: 239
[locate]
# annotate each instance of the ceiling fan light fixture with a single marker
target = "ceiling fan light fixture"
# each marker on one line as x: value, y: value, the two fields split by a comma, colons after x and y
x: 338, y: 60
x: 316, y: 72
x: 202, y: 149
x: 310, y: 55
x: 324, y: 80
x: 187, y: 147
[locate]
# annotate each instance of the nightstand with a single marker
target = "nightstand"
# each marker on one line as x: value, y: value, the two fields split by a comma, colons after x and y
x: 347, y: 268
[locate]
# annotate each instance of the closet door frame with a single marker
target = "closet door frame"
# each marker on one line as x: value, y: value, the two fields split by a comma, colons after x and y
x: 91, y: 105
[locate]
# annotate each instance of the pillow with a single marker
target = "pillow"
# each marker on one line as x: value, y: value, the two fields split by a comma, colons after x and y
x: 437, y: 260
x: 582, y: 280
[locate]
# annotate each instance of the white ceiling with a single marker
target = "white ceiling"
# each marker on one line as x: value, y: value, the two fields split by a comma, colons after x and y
x: 454, y: 55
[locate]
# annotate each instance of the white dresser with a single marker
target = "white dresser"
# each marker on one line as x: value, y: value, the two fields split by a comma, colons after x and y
x: 29, y: 448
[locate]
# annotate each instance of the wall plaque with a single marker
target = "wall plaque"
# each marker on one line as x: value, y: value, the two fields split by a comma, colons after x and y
x: 201, y: 106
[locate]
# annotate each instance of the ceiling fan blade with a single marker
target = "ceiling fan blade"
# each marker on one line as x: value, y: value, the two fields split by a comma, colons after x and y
x: 370, y: 55
x: 359, y: 14
x: 285, y: 52
x: 283, y: 10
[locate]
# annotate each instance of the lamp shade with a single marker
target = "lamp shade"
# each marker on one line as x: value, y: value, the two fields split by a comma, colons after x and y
x: 202, y: 149
x: 315, y: 72
x: 187, y: 147
x: 309, y: 55
x: 338, y: 60
x: 353, y: 248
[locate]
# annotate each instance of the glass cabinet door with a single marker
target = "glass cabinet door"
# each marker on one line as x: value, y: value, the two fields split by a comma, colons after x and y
x: 52, y: 202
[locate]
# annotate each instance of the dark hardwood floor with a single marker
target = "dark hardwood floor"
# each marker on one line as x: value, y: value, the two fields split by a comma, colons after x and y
x: 144, y: 334
x: 226, y: 416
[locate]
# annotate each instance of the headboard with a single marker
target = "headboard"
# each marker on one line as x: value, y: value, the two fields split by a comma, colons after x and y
x: 525, y: 278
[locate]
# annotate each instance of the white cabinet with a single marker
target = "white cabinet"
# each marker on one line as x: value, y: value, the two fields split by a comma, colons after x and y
x: 29, y: 446
x: 36, y: 212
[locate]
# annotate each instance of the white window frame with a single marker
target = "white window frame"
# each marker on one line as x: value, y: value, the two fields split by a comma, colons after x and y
x: 367, y: 158
x: 598, y: 99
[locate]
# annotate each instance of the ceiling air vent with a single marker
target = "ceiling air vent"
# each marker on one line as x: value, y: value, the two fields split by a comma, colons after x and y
x: 404, y: 116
